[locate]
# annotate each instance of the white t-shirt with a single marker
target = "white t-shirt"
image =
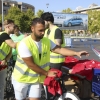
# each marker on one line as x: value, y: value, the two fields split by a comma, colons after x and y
x: 25, y: 52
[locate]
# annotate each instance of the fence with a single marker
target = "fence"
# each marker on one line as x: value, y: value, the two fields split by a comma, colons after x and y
x: 86, y: 41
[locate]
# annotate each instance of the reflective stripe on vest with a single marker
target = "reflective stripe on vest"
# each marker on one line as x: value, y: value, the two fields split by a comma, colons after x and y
x: 19, y: 60
x: 54, y: 57
x: 22, y: 62
x: 59, y: 56
x: 27, y: 73
x: 22, y: 73
x: 4, y: 49
x: 3, y: 53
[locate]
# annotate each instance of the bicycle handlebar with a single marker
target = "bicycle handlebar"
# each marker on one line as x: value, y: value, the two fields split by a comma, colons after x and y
x: 66, y: 69
x: 79, y: 76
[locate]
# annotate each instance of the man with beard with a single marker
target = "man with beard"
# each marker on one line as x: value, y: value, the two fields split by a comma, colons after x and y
x: 55, y: 34
x: 32, y: 64
x: 5, y: 52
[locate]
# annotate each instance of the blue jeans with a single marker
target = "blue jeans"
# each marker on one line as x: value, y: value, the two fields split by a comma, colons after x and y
x: 3, y: 74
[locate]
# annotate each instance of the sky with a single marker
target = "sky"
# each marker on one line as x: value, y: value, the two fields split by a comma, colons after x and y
x: 59, y: 5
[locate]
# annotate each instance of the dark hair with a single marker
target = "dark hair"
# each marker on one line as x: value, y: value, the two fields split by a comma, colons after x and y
x: 16, y: 27
x: 47, y: 16
x: 37, y: 20
x: 8, y: 21
x: 0, y: 24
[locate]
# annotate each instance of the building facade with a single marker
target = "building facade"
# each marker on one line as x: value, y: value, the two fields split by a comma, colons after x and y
x: 22, y: 6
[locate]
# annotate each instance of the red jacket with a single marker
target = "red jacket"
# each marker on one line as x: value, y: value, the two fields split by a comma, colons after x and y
x: 52, y: 84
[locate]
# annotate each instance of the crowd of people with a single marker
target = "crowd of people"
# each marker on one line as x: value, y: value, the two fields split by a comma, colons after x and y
x: 33, y: 55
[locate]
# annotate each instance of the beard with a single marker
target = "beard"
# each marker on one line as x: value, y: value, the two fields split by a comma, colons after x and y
x: 38, y: 37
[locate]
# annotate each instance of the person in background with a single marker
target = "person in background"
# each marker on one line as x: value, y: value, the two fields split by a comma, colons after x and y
x: 16, y: 37
x: 0, y: 27
x: 32, y: 64
x: 6, y: 45
x: 55, y: 34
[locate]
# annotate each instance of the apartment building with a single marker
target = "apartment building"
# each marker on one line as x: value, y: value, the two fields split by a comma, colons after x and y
x: 21, y: 5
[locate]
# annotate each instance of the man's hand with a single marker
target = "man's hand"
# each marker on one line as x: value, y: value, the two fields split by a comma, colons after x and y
x: 3, y: 62
x: 52, y: 74
x: 79, y: 54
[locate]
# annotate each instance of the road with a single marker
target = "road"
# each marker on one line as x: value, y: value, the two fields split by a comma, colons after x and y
x: 80, y: 44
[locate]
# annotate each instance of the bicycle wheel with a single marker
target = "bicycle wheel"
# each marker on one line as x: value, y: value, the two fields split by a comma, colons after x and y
x: 69, y: 96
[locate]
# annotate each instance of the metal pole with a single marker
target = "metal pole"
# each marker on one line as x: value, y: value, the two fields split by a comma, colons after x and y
x: 2, y: 16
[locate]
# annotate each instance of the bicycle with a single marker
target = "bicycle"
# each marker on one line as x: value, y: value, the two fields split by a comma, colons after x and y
x: 66, y: 95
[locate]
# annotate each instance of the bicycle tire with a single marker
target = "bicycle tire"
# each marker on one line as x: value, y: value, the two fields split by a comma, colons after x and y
x: 69, y: 96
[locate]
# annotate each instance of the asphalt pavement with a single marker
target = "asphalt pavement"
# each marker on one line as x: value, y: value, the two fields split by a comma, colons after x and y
x: 79, y: 45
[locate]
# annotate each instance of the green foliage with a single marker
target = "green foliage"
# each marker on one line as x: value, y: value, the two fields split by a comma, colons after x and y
x: 22, y: 19
x: 39, y: 13
x: 0, y: 18
x: 68, y: 10
x: 26, y: 20
x: 66, y: 31
x: 94, y: 21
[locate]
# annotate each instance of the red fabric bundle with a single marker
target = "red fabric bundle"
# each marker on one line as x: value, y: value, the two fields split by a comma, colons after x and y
x: 2, y: 67
x: 52, y: 84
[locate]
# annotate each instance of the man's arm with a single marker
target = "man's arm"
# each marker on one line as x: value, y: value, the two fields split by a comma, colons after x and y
x: 67, y: 52
x: 6, y: 38
x: 58, y: 37
x: 11, y: 43
x: 30, y: 63
x: 26, y: 55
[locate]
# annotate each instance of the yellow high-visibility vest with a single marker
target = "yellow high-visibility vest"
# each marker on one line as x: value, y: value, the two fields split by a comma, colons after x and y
x: 4, y: 49
x: 22, y: 73
x: 55, y: 58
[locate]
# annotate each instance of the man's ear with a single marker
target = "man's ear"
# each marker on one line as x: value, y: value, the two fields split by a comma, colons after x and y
x: 32, y: 28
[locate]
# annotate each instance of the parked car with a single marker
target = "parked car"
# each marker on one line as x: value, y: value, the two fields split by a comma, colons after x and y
x: 73, y: 22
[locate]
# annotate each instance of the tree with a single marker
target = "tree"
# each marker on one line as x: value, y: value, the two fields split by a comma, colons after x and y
x: 93, y: 21
x: 22, y: 19
x: 15, y: 14
x: 26, y: 20
x: 39, y: 13
x: 0, y: 18
x: 68, y: 10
